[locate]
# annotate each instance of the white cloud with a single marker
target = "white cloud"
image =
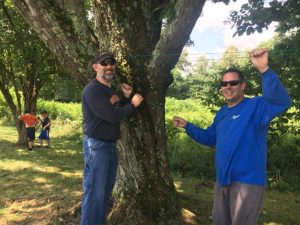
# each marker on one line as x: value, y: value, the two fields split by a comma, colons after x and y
x: 213, y: 17
x: 247, y: 42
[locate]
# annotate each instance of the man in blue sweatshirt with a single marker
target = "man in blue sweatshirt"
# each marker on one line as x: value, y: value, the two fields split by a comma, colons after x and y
x: 239, y: 134
x: 102, y: 110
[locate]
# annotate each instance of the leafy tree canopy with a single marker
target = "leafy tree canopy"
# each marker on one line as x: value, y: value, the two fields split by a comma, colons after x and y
x: 256, y: 15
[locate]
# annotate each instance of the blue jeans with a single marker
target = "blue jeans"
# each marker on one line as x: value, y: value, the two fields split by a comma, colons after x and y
x: 99, y: 176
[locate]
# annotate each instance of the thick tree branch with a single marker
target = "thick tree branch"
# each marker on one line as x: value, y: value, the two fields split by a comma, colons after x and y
x: 5, y: 89
x: 62, y: 25
x: 175, y: 36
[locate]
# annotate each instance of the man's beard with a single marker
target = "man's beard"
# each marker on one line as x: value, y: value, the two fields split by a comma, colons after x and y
x: 108, y: 77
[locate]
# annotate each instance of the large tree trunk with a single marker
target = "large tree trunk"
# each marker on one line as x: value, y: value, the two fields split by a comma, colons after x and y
x: 144, y: 193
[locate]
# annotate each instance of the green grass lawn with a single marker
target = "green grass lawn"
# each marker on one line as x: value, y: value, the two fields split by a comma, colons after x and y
x: 43, y: 186
x: 39, y: 186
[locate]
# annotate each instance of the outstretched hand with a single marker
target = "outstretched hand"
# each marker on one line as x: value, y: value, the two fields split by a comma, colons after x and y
x: 259, y: 59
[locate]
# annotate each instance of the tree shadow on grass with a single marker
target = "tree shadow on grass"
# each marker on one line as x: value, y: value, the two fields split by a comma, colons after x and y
x: 33, y: 197
x: 64, y: 155
x: 40, y: 186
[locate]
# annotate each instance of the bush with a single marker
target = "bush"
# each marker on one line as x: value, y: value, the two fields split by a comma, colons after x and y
x: 284, y: 163
x: 61, y: 111
x: 5, y: 113
x: 187, y: 157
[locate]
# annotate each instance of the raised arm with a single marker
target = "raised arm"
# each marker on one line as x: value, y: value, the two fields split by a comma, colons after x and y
x: 275, y: 99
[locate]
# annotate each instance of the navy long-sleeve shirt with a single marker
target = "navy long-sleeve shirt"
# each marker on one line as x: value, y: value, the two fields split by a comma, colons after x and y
x: 101, y: 119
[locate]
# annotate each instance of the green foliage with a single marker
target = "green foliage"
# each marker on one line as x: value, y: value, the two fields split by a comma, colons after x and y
x: 62, y: 111
x: 6, y: 117
x: 60, y: 87
x: 167, y: 10
x: 186, y: 156
x: 284, y: 163
x: 256, y: 16
x: 179, y: 88
x: 3, y: 107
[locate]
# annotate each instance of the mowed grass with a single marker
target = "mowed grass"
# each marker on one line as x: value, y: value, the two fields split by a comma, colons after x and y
x: 38, y: 187
x: 44, y: 186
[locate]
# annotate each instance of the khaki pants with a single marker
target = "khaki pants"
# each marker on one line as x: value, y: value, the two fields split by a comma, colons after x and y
x: 237, y: 204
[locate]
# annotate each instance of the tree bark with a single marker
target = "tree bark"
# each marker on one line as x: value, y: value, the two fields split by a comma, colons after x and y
x: 146, y: 50
x: 5, y: 77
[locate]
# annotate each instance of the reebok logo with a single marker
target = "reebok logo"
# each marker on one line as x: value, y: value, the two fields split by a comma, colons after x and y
x: 235, y: 117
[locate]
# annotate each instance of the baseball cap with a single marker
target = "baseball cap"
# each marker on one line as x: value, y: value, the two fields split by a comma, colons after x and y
x: 101, y: 56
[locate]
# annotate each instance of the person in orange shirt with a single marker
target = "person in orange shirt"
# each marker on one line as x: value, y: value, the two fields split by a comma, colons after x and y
x: 30, y: 121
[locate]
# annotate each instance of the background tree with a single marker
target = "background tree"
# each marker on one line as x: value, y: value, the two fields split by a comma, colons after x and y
x: 179, y: 88
x: 255, y: 16
x: 25, y: 65
x: 198, y: 75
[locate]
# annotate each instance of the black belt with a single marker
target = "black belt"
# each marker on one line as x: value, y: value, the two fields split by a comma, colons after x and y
x: 102, y: 139
x: 106, y: 140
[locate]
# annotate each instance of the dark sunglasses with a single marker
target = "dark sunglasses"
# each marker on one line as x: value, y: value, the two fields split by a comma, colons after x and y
x: 231, y: 83
x: 108, y: 61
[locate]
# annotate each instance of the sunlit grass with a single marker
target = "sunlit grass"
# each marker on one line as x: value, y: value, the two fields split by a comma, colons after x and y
x: 38, y: 186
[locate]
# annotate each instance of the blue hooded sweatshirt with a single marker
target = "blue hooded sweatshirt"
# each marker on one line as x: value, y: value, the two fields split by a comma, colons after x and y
x: 239, y: 134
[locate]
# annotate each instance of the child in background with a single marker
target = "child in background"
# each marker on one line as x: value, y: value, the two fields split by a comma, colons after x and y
x: 46, y: 123
x: 30, y: 121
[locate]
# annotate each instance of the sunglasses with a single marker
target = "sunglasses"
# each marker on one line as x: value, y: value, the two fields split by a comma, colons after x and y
x: 231, y: 83
x: 111, y: 62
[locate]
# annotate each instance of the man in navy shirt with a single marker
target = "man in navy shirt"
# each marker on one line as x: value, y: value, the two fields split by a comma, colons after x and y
x: 239, y: 134
x: 102, y: 111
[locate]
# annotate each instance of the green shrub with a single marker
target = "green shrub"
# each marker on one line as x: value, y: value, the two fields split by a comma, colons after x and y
x: 59, y: 110
x: 5, y: 113
x: 187, y: 157
x: 284, y: 163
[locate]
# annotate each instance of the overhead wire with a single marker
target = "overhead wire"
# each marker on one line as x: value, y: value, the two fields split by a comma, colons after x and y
x: 239, y: 55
